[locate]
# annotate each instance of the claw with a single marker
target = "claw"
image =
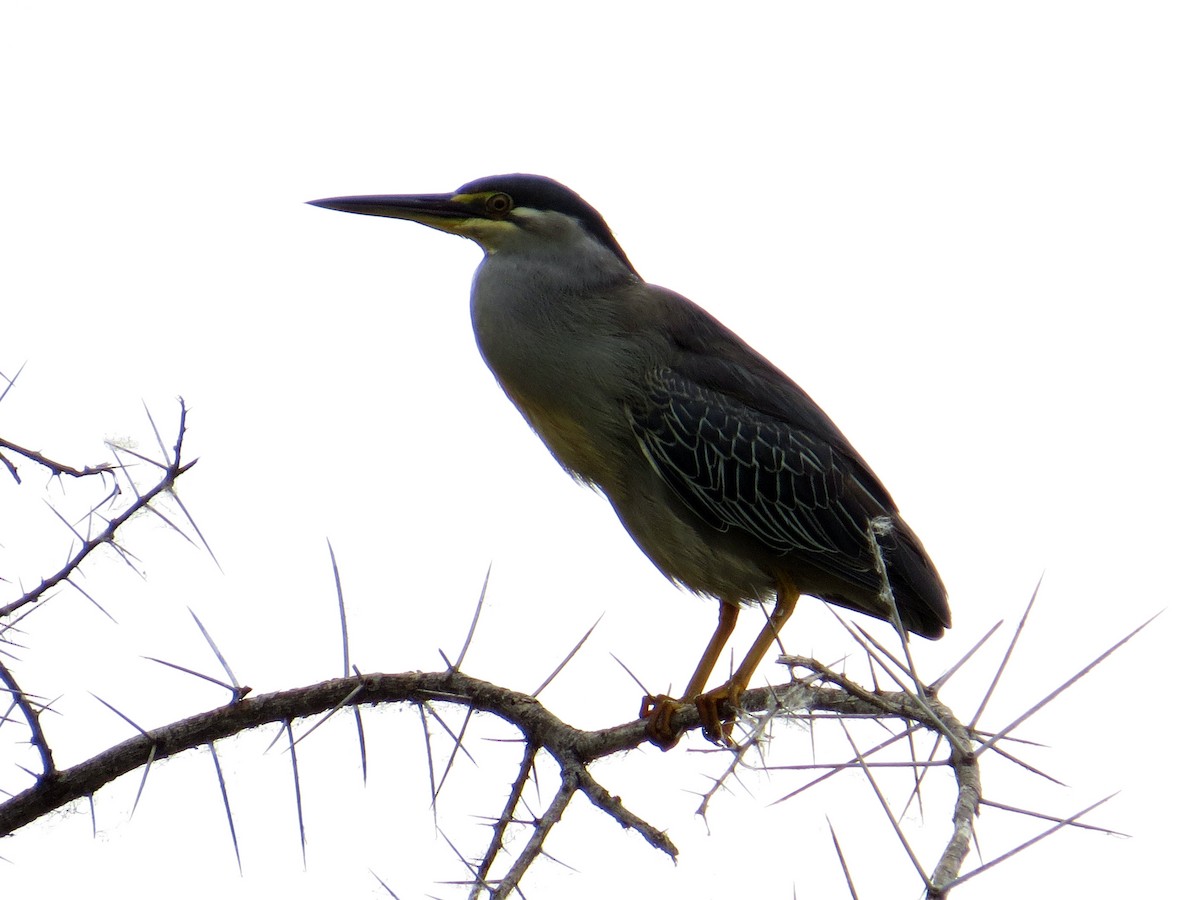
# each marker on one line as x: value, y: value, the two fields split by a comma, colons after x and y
x: 718, y: 728
x: 717, y: 711
x: 659, y: 710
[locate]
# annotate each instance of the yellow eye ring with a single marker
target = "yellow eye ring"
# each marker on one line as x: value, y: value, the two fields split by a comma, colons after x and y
x: 498, y: 205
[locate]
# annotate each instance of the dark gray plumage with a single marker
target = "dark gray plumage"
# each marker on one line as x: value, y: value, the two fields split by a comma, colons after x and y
x: 723, y: 470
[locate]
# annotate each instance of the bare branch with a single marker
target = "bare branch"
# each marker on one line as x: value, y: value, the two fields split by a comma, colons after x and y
x: 505, y: 818
x: 923, y: 734
x: 56, y: 468
x: 37, y: 736
x: 107, y: 535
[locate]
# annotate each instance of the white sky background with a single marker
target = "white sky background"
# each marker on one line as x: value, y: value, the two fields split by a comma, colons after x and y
x: 970, y: 234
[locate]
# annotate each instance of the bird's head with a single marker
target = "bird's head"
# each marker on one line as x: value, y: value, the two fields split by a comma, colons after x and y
x: 501, y: 213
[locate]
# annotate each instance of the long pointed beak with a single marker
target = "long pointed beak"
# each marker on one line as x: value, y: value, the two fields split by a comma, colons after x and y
x: 436, y: 210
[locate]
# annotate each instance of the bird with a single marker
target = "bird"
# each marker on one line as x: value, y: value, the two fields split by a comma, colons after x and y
x: 722, y: 469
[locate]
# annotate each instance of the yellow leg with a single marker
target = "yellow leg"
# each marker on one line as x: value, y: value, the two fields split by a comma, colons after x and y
x: 716, y: 726
x: 726, y: 620
x: 659, y: 709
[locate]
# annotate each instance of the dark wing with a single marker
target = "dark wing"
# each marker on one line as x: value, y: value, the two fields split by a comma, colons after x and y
x: 738, y: 468
x: 746, y: 448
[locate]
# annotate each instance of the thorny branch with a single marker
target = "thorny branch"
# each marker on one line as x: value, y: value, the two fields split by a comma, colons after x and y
x: 821, y: 692
x: 56, y: 468
x: 25, y: 704
x: 573, y: 750
x: 172, y: 469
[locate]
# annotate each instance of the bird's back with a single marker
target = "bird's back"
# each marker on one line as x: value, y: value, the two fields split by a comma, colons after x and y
x: 722, y: 469
x: 761, y: 470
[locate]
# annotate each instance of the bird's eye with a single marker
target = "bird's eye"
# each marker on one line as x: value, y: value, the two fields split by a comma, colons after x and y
x: 498, y: 205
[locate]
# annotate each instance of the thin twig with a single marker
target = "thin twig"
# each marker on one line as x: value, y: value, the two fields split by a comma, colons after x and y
x: 36, y: 736
x: 107, y: 535
x: 56, y: 467
x: 504, y: 820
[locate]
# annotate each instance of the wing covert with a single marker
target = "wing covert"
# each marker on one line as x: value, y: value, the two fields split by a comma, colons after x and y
x: 739, y: 468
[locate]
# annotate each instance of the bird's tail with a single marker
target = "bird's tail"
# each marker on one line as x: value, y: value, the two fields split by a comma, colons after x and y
x: 918, y: 589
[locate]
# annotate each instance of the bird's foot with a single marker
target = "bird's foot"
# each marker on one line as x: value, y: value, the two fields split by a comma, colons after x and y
x: 658, y: 710
x: 716, y: 709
